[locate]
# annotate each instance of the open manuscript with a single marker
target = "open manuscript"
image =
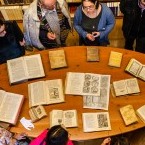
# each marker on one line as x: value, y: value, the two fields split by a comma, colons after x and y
x: 82, y: 84
x: 101, y: 101
x: 127, y: 86
x: 24, y: 68
x: 136, y: 68
x: 96, y: 121
x: 141, y: 113
x: 45, y: 92
x: 10, y: 106
x: 68, y: 118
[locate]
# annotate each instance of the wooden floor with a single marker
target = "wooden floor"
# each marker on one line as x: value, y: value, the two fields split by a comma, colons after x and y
x: 116, y: 40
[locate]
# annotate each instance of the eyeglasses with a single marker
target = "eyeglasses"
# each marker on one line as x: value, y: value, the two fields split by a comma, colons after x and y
x: 91, y: 7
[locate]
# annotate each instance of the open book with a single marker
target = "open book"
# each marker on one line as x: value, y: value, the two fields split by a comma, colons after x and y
x: 141, y: 113
x: 82, y: 84
x: 10, y: 106
x: 45, y: 92
x: 127, y: 86
x: 101, y: 101
x: 37, y: 113
x: 115, y: 59
x: 128, y: 114
x: 92, y: 53
x: 23, y: 68
x: 68, y: 118
x: 136, y: 68
x: 96, y: 121
x: 57, y: 59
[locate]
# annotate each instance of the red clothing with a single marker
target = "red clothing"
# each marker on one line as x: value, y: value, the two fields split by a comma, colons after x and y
x: 41, y: 137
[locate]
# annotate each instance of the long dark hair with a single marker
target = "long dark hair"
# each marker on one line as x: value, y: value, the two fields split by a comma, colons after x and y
x: 57, y: 135
x: 1, y: 22
x: 95, y: 2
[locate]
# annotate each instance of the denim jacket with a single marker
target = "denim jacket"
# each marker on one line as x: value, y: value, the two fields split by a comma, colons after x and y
x: 106, y: 23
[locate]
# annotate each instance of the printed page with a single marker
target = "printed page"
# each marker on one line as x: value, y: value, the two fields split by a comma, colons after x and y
x: 96, y: 122
x: 83, y: 84
x: 70, y: 118
x: 56, y: 117
x: 92, y: 53
x: 141, y: 73
x: 17, y: 70
x: 54, y: 89
x: 10, y: 106
x: 34, y: 66
x: 102, y: 101
x: 132, y: 86
x: 37, y: 93
x: 133, y: 67
x: 141, y: 113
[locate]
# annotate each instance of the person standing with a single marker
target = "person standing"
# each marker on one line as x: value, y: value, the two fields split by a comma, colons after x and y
x: 140, y: 42
x: 94, y: 21
x: 46, y: 24
x: 130, y: 26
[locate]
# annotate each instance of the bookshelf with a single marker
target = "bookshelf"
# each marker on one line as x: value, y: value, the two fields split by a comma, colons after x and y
x: 14, y: 9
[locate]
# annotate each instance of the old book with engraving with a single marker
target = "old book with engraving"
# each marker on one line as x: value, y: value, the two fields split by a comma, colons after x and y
x: 92, y: 53
x: 57, y: 59
x: 101, y: 101
x: 24, y: 68
x: 82, y: 84
x: 37, y: 113
x: 115, y: 59
x: 136, y: 68
x: 45, y: 92
x: 98, y: 121
x: 128, y: 114
x: 141, y: 113
x: 68, y: 118
x: 10, y: 106
x: 126, y: 86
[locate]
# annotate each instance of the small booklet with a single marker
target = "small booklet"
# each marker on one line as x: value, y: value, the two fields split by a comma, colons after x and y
x: 57, y: 59
x: 45, y: 92
x: 82, y: 84
x: 127, y: 86
x: 136, y: 68
x: 96, y: 121
x: 92, y: 53
x: 128, y: 114
x: 141, y: 113
x: 24, y: 68
x: 10, y: 106
x: 37, y: 113
x: 68, y: 118
x: 115, y: 59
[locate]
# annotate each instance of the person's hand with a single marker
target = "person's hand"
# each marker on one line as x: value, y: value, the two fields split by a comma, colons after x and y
x: 20, y: 136
x: 90, y: 37
x: 51, y: 35
x: 106, y: 141
x: 22, y: 43
x: 96, y: 34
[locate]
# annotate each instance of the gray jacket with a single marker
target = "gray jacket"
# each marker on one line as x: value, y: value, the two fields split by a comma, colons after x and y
x: 31, y: 23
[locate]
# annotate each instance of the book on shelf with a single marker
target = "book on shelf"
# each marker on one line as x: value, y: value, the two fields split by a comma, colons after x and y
x: 98, y: 121
x: 136, y: 68
x: 141, y: 113
x: 10, y: 105
x: 82, y: 84
x: 92, y: 53
x: 101, y: 101
x: 128, y: 114
x: 37, y: 113
x: 45, y: 92
x: 68, y: 118
x: 115, y: 59
x: 126, y: 86
x: 24, y: 68
x: 57, y: 59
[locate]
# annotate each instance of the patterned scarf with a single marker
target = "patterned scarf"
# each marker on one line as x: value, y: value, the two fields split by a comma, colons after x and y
x: 44, y: 25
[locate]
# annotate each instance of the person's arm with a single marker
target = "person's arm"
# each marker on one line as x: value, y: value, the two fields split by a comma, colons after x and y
x: 106, y: 141
x: 77, y: 23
